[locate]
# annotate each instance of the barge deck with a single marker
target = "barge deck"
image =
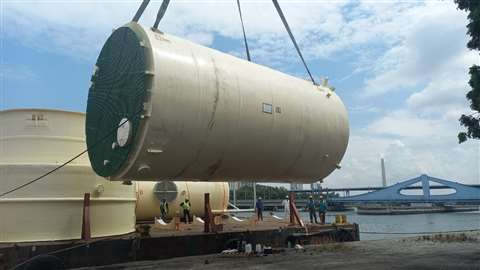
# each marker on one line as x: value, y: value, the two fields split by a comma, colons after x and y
x: 156, y: 241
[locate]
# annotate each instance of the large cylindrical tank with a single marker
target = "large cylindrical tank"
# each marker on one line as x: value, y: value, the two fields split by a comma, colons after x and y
x: 161, y: 107
x: 149, y: 195
x: 34, y: 141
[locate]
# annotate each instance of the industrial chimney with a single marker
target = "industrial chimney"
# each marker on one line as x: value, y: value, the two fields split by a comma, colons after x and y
x: 384, y: 178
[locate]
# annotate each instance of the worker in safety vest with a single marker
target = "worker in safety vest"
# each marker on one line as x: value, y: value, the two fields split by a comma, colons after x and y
x: 322, y: 209
x: 311, y: 209
x: 164, y: 209
x: 185, y: 205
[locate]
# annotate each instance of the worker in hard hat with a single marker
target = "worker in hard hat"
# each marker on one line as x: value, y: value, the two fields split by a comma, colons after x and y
x: 164, y: 209
x: 259, y: 209
x: 286, y: 206
x: 185, y: 205
x: 311, y: 209
x: 322, y: 209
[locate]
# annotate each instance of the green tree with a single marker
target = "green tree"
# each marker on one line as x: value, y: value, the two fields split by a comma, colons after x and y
x: 472, y: 122
x: 267, y: 192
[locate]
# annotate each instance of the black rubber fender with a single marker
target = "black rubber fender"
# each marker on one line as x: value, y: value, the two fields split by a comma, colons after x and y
x: 233, y: 243
x: 293, y: 240
x: 344, y: 236
x: 44, y: 262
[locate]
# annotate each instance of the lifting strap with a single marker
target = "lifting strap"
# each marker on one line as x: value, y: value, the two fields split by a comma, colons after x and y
x: 243, y: 29
x: 140, y: 10
x: 161, y: 12
x: 164, y: 6
x: 280, y: 13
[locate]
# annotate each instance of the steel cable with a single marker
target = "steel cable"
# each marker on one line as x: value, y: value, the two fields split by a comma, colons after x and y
x: 243, y: 29
x: 285, y: 23
x: 161, y: 13
x: 140, y: 10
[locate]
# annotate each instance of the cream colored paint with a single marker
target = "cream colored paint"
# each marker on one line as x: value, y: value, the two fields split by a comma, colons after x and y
x: 148, y: 206
x: 51, y: 209
x: 204, y: 119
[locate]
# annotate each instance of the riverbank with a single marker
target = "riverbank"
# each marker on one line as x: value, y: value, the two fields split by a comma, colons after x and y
x: 409, y: 210
x: 449, y: 251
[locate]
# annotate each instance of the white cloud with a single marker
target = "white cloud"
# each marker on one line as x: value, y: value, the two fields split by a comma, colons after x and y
x: 81, y: 27
x: 406, y: 124
x: 405, y: 158
x: 447, y: 90
x: 369, y: 108
x: 201, y: 38
x: 433, y: 40
x: 411, y: 46
x: 320, y: 27
x: 429, y: 60
x: 17, y: 72
x: 420, y: 138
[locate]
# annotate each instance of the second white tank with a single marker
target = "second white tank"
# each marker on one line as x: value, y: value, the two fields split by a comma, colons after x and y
x: 149, y: 195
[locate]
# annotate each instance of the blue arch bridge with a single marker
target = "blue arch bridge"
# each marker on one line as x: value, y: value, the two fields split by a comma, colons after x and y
x: 394, y: 194
x: 457, y: 193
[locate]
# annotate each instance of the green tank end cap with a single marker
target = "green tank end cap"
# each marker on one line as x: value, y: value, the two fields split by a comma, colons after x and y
x: 115, y: 101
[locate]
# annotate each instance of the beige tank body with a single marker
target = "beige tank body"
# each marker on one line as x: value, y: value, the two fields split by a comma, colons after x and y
x: 34, y: 141
x: 149, y: 195
x: 211, y: 116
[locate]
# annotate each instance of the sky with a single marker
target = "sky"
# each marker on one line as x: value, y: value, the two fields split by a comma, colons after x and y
x: 399, y: 66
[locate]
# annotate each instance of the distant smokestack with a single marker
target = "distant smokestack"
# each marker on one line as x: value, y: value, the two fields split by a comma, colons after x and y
x: 384, y: 178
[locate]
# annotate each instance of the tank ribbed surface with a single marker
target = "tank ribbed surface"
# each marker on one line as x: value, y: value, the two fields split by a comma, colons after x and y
x: 117, y: 92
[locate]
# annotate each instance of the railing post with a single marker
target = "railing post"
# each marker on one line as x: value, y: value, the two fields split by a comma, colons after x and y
x: 291, y: 205
x: 86, y: 234
x: 208, y: 213
x: 294, y: 215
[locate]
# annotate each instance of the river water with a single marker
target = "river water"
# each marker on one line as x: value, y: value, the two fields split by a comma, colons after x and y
x: 433, y: 222
x: 374, y: 227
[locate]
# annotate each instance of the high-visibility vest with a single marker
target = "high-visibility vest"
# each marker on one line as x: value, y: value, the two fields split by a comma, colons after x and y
x: 185, y: 205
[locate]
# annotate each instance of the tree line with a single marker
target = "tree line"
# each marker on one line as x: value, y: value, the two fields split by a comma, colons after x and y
x: 245, y: 192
